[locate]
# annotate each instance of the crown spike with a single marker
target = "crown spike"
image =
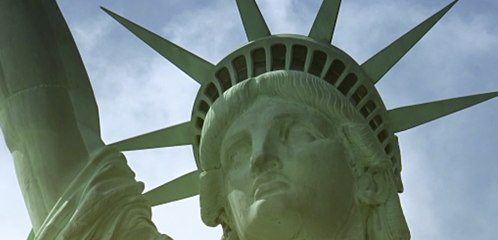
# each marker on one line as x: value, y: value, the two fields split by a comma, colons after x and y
x: 377, y: 66
x: 253, y: 21
x: 177, y: 135
x: 411, y: 116
x: 31, y: 235
x: 194, y: 66
x: 180, y: 188
x: 324, y: 25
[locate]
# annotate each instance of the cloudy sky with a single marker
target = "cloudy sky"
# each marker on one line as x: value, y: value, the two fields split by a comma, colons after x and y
x: 450, y: 165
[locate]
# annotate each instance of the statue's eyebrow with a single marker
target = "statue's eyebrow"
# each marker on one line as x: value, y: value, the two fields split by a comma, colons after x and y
x: 287, y: 117
x: 230, y: 140
x: 320, y: 123
x: 230, y: 144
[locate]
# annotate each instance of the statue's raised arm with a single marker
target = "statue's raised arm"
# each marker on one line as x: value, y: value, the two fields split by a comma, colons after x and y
x: 74, y: 187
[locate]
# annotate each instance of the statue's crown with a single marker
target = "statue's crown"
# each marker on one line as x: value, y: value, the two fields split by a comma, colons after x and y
x: 312, y: 54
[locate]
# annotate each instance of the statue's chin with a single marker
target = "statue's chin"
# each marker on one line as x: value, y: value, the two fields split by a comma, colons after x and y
x: 273, y: 217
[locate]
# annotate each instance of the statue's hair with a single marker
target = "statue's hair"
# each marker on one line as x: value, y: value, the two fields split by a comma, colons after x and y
x: 365, y: 153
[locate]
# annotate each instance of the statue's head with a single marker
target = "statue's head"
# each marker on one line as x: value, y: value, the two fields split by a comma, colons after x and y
x: 286, y: 154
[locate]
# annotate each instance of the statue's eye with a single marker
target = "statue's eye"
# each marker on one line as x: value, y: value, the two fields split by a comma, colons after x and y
x: 239, y: 152
x: 302, y: 133
x: 284, y: 130
x: 296, y: 132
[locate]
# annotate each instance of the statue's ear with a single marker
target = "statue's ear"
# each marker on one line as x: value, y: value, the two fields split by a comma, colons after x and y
x: 374, y: 186
x: 374, y: 183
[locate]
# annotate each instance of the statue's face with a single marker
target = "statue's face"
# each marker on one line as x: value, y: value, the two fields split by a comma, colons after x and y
x: 286, y: 172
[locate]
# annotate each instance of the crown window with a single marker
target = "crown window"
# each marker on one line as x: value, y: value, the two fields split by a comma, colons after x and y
x: 203, y: 107
x: 278, y: 56
x: 240, y: 66
x: 367, y: 109
x: 298, y: 57
x: 358, y: 95
x: 199, y: 122
x: 348, y: 83
x: 375, y: 122
x: 259, y: 61
x: 382, y: 136
x: 317, y: 63
x: 224, y: 78
x: 335, y: 71
x: 211, y: 92
x: 388, y: 149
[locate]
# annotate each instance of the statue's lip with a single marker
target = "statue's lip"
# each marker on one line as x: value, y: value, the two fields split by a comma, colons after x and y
x: 268, y: 184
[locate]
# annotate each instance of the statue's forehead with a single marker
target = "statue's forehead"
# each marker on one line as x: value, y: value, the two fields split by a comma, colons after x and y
x: 267, y: 112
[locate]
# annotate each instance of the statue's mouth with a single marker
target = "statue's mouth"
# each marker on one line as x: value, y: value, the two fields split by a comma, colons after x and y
x: 268, y: 184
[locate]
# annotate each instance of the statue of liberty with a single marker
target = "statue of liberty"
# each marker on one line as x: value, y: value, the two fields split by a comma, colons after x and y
x: 290, y: 135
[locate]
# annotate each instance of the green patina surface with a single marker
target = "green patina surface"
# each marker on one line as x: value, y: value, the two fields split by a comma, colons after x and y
x: 290, y: 136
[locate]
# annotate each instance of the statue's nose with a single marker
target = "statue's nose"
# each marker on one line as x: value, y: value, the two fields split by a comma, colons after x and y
x: 264, y: 162
x: 265, y: 155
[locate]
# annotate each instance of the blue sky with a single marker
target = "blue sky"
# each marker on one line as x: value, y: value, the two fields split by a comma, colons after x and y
x: 450, y: 166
